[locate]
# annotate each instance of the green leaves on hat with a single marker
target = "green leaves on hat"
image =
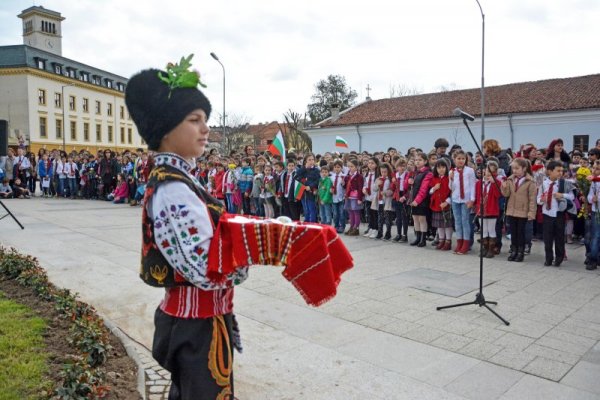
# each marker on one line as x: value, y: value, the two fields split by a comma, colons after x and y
x: 180, y: 75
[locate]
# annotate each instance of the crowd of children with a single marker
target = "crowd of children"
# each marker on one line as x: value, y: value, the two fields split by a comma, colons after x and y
x: 533, y: 194
x: 119, y: 178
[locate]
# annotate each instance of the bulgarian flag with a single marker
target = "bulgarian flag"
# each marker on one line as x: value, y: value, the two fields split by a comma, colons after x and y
x: 299, y: 191
x: 341, y: 142
x: 277, y: 147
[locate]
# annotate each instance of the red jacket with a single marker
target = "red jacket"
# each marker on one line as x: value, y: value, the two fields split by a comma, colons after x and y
x: 354, y: 183
x: 491, y: 202
x: 219, y: 185
x: 440, y: 195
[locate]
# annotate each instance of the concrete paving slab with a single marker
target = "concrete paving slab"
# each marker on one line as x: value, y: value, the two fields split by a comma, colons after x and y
x: 531, y: 387
x: 484, y: 381
x: 584, y: 375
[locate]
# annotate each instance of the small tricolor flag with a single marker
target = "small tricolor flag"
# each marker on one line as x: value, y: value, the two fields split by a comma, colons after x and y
x: 299, y: 191
x: 341, y: 142
x: 277, y: 147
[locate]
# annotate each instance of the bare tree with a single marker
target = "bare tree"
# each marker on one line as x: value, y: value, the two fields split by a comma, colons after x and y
x: 402, y: 89
x: 236, y: 132
x: 448, y: 87
x: 293, y: 133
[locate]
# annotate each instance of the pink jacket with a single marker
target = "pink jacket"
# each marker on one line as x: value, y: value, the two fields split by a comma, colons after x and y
x: 122, y: 191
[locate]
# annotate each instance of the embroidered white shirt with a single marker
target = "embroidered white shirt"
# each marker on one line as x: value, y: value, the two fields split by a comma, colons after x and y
x: 468, y: 185
x: 183, y: 228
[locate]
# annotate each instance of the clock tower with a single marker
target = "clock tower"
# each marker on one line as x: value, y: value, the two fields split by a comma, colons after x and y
x: 42, y: 29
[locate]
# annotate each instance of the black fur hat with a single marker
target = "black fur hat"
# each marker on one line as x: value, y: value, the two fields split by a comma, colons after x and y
x: 157, y: 108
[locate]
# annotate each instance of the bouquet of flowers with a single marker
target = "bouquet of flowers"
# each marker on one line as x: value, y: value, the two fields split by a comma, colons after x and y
x: 584, y: 186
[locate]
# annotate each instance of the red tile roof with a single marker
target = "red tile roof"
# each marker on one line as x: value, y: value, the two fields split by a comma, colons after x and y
x: 577, y: 93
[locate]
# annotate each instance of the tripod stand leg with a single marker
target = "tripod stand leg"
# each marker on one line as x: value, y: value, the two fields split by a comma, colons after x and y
x: 456, y: 305
x: 492, y: 302
x: 11, y: 214
x: 496, y: 314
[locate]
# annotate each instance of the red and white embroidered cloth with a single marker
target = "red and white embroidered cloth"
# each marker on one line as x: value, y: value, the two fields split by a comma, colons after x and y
x: 313, y: 255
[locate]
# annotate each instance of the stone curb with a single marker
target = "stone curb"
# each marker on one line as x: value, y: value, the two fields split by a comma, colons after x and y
x: 130, y: 348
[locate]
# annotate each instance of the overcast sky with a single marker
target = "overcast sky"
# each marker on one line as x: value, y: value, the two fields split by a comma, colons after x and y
x: 275, y: 51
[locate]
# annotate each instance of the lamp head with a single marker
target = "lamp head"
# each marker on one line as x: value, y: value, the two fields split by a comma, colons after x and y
x: 213, y: 55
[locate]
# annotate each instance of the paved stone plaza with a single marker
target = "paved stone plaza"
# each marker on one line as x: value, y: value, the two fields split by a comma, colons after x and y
x: 380, y: 338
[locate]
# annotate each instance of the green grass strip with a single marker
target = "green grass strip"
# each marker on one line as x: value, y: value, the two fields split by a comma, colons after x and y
x: 22, y: 352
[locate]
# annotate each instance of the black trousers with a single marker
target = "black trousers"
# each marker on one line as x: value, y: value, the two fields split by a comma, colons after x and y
x: 402, y: 215
x: 372, y: 216
x: 384, y: 218
x: 293, y: 209
x: 553, y: 229
x: 517, y: 232
x: 198, y: 353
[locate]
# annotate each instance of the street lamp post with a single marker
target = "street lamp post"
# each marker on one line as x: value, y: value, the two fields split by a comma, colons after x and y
x: 213, y: 55
x: 62, y: 89
x: 482, y: 65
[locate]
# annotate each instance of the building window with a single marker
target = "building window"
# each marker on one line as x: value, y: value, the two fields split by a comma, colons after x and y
x: 96, y: 80
x: 71, y: 72
x: 98, y: 133
x: 86, y: 131
x: 122, y: 135
x: 109, y: 109
x: 122, y: 112
x: 129, y: 136
x: 28, y: 27
x: 98, y: 109
x: 41, y: 97
x: 59, y: 129
x: 57, y: 100
x: 84, y: 76
x: 57, y: 68
x: 86, y: 105
x: 109, y: 84
x: 120, y: 87
x: 73, y: 130
x: 581, y: 143
x: 43, y: 131
x: 40, y: 62
x: 72, y: 106
x: 110, y: 134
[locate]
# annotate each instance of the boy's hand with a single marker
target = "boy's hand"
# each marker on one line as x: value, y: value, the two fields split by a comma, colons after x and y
x: 469, y: 204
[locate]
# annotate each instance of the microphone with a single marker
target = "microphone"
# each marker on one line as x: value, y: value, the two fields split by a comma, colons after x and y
x: 460, y: 113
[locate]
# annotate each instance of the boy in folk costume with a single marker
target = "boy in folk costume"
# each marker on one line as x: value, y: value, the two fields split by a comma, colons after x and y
x: 491, y: 207
x: 553, y: 195
x: 194, y: 323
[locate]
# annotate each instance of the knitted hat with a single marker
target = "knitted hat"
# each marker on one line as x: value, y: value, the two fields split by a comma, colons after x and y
x: 158, y: 101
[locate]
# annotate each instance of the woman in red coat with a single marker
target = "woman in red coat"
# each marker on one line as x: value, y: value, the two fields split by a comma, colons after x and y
x: 491, y: 206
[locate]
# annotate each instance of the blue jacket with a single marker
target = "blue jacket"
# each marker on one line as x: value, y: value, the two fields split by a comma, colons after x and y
x: 245, y: 182
x: 42, y: 170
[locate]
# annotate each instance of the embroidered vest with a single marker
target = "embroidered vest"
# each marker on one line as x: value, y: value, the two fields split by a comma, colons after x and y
x: 155, y: 270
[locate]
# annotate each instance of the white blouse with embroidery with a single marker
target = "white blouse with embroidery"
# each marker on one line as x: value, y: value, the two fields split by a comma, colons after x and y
x: 183, y: 229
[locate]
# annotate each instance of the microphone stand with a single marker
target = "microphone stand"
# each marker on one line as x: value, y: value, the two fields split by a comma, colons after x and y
x: 11, y: 214
x: 479, y: 298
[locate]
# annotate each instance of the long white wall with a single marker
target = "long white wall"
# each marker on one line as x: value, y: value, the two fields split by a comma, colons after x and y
x: 538, y: 129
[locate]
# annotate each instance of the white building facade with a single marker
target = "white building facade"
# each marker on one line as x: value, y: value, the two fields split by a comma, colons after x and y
x: 54, y: 102
x: 417, y: 121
